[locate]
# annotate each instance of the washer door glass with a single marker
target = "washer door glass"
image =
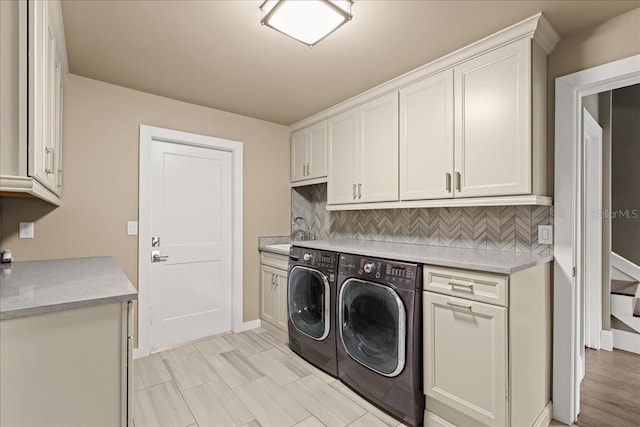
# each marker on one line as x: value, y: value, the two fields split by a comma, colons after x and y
x: 372, y: 326
x: 308, y: 297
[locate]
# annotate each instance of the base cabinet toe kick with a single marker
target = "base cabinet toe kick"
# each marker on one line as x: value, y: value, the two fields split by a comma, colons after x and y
x: 487, y: 347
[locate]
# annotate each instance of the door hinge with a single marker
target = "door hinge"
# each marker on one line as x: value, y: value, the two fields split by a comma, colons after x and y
x: 573, y: 272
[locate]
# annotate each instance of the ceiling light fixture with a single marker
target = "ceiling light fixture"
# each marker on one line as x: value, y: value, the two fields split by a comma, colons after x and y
x: 308, y: 21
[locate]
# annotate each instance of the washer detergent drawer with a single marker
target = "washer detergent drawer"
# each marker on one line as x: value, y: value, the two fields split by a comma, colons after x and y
x: 483, y: 287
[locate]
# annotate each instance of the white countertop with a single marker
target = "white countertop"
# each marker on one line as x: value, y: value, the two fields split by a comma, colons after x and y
x: 36, y: 287
x: 279, y: 248
x: 490, y: 261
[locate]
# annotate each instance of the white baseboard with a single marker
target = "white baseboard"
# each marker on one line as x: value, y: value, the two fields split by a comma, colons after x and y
x: 138, y: 353
x: 627, y: 341
x: 545, y: 417
x: 246, y: 326
x: 432, y: 420
x: 606, y: 340
x: 251, y: 324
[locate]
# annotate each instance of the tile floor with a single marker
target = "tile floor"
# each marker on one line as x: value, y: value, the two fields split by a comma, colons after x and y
x: 246, y: 379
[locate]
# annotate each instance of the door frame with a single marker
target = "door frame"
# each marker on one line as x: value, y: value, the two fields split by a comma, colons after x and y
x: 148, y: 134
x: 569, y: 226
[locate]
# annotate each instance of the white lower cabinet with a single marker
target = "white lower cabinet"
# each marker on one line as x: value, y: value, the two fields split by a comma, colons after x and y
x: 467, y: 356
x: 273, y: 288
x: 487, y: 363
x: 68, y: 368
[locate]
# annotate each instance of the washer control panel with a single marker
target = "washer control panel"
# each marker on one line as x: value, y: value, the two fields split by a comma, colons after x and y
x: 393, y: 272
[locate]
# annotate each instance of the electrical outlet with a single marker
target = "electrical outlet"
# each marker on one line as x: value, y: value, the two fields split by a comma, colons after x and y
x: 26, y: 230
x: 545, y: 234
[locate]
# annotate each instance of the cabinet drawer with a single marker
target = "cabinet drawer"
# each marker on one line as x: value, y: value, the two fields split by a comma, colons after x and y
x: 490, y: 288
x: 274, y: 260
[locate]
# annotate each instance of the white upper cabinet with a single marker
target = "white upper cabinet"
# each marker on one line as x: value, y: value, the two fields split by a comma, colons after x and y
x: 493, y: 123
x: 45, y: 94
x: 309, y: 153
x: 426, y: 138
x: 299, y: 155
x: 377, y: 155
x: 363, y: 153
x: 343, y: 135
x: 34, y: 55
x: 468, y: 129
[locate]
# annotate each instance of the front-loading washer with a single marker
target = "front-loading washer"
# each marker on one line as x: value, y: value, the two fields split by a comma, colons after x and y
x: 379, y: 344
x: 311, y: 299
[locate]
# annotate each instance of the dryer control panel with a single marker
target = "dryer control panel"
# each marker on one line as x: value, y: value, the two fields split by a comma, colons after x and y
x: 401, y: 274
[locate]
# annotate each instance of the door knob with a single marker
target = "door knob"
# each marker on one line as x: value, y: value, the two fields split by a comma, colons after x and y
x: 156, y: 257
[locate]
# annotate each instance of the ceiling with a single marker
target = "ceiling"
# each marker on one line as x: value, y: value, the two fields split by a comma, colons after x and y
x: 216, y: 53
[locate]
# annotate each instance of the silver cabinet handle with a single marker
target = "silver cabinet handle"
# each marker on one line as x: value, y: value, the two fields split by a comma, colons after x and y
x: 448, y: 181
x: 458, y: 181
x: 48, y: 161
x: 467, y: 286
x: 308, y: 169
x: 359, y: 191
x: 156, y: 257
x: 460, y: 305
x: 354, y: 191
x: 305, y: 169
x: 60, y: 184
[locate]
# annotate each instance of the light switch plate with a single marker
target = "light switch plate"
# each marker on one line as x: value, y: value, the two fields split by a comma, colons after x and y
x: 545, y: 234
x: 132, y: 228
x: 26, y: 230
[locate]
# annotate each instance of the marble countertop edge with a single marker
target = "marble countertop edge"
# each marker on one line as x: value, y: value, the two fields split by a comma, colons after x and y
x: 485, y: 260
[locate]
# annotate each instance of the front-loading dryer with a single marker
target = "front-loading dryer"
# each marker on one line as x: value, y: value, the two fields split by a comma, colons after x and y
x: 311, y: 299
x: 379, y: 344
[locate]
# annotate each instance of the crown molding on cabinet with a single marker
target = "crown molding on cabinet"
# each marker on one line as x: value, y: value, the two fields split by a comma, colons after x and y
x: 448, y: 203
x: 536, y: 27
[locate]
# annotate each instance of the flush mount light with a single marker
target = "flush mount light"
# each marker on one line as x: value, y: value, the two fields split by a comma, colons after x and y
x: 307, y: 21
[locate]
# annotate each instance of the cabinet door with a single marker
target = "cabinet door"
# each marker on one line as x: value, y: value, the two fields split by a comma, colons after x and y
x: 317, y: 150
x: 58, y: 135
x: 41, y: 75
x: 268, y: 288
x: 493, y: 123
x: 282, y: 316
x: 426, y: 138
x: 465, y: 357
x: 343, y: 132
x: 299, y: 143
x: 378, y: 150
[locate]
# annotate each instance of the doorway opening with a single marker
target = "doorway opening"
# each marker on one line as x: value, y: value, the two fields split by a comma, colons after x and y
x: 572, y: 222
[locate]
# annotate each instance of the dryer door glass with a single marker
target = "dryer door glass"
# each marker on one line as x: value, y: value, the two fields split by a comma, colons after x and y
x: 372, y: 326
x: 308, y: 298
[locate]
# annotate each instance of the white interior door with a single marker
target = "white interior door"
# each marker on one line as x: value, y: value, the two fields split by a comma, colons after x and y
x: 190, y: 286
x: 592, y: 148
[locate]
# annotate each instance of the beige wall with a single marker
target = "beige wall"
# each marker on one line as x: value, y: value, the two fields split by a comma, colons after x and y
x: 616, y: 38
x: 101, y: 178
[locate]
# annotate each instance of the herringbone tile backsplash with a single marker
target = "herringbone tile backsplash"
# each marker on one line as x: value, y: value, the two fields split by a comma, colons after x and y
x: 507, y: 228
